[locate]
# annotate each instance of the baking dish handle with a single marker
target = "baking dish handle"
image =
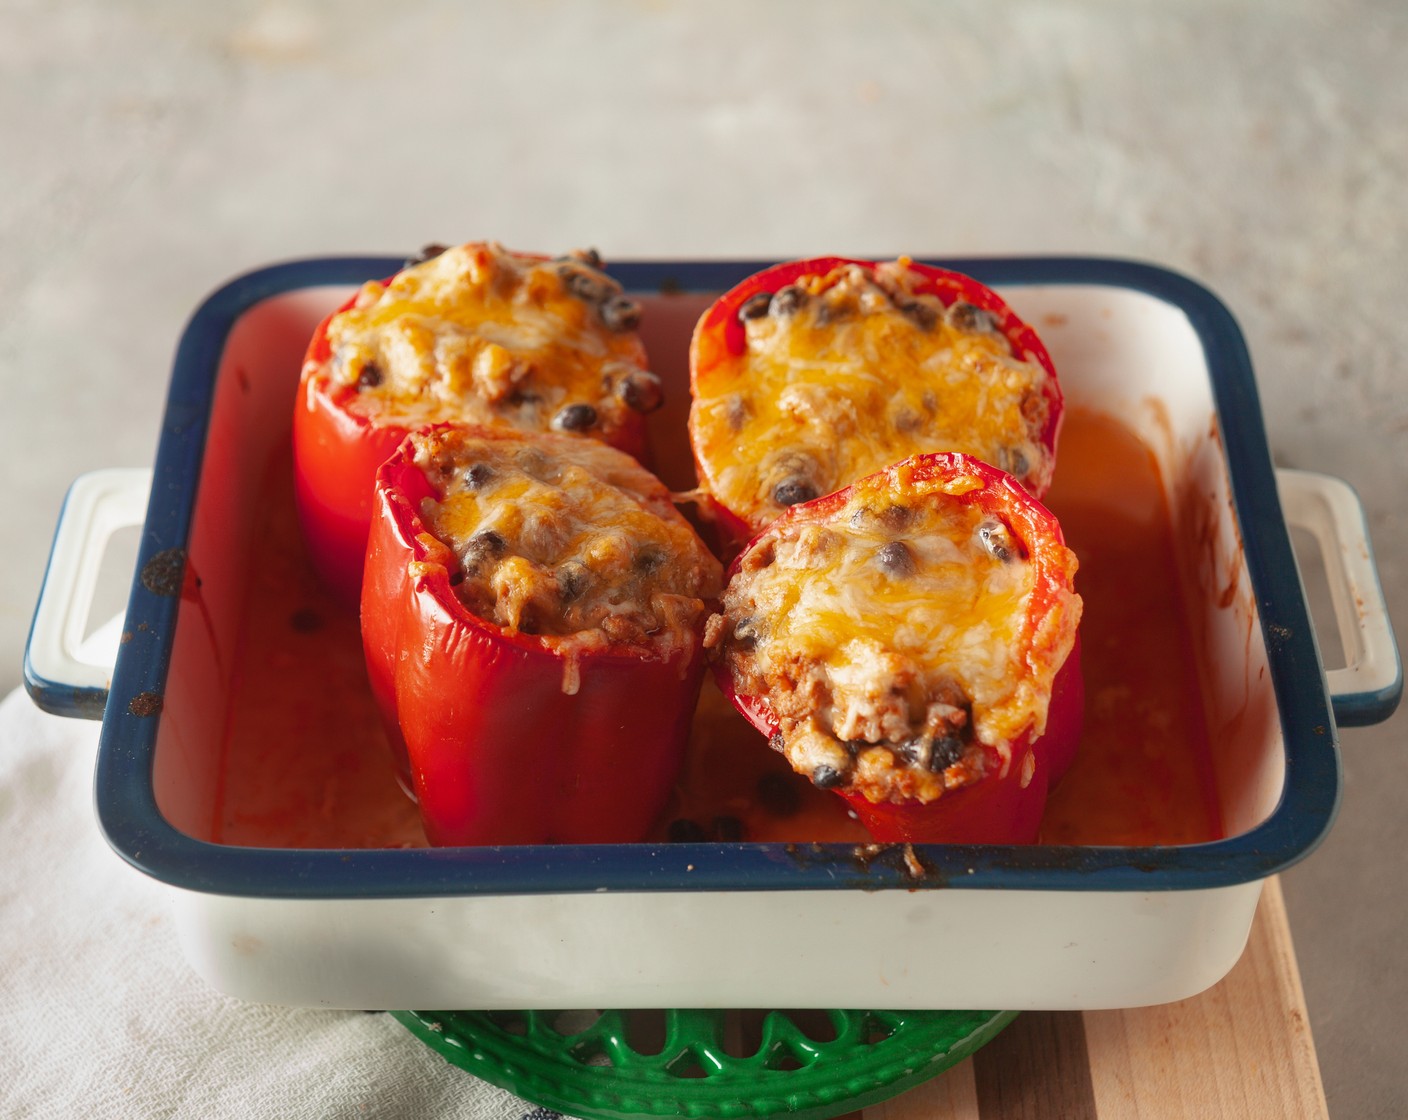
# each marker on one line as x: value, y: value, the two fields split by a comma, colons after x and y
x: 59, y: 674
x: 1368, y: 688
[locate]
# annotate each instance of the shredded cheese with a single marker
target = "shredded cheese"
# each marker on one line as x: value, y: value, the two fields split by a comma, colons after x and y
x: 848, y: 372
x: 895, y: 641
x: 567, y: 539
x: 485, y: 336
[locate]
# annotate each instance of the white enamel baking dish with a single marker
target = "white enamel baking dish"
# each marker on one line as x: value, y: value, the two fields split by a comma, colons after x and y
x: 720, y: 924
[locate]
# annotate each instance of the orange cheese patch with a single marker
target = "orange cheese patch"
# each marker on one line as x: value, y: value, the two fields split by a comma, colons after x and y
x: 895, y: 638
x: 846, y: 373
x: 568, y: 539
x: 491, y: 337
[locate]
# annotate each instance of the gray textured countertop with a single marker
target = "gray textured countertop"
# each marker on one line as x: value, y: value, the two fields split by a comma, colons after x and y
x: 150, y: 151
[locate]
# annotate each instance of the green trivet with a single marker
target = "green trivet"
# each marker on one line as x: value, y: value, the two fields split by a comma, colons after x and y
x: 725, y: 1065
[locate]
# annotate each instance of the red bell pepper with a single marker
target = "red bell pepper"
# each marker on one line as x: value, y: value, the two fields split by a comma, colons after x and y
x: 997, y: 793
x: 510, y: 737
x: 718, y: 357
x: 338, y: 448
x: 336, y: 455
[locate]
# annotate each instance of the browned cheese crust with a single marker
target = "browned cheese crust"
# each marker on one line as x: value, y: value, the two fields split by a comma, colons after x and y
x: 567, y: 539
x: 846, y: 373
x: 892, y: 642
x: 486, y: 336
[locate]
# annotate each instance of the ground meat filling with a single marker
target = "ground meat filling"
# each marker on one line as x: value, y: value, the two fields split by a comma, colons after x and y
x: 889, y: 642
x: 568, y: 539
x: 846, y: 373
x: 487, y: 336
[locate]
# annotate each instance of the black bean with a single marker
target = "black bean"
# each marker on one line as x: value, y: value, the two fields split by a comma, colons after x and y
x: 907, y: 421
x: 747, y: 631
x: 588, y: 286
x: 572, y: 579
x: 685, y: 831
x: 427, y: 253
x: 589, y: 257
x: 997, y: 540
x: 789, y: 300
x: 486, y: 542
x: 896, y: 559
x: 456, y: 577
x: 913, y: 751
x: 574, y: 417
x: 532, y: 462
x: 791, y: 491
x: 478, y: 476
x: 640, y: 391
x: 897, y: 517
x: 755, y: 306
x: 967, y: 317
x: 944, y: 752
x: 777, y: 793
x: 1013, y: 461
x: 833, y: 309
x: 620, y: 314
x: 933, y: 754
x: 728, y: 828
x: 370, y: 377
x: 894, y: 518
x: 924, y: 315
x: 827, y: 777
x: 648, y: 558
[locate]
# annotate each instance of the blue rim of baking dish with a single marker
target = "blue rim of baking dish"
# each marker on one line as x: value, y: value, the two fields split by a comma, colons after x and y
x: 133, y: 824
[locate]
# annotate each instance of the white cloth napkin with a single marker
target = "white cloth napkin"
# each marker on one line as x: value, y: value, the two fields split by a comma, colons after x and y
x: 101, y: 1017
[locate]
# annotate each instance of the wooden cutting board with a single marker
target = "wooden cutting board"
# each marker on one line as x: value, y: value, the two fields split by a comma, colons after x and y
x: 1242, y: 1049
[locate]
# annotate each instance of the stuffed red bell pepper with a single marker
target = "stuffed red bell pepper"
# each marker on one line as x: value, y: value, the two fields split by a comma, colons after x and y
x: 532, y: 614
x: 910, y: 642
x: 473, y: 334
x: 814, y: 373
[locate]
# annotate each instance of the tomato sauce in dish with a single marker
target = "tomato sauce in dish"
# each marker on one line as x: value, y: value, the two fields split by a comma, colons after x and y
x: 305, y: 763
x: 1143, y: 774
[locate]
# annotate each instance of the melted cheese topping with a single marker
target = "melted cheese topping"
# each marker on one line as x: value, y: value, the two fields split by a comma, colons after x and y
x: 846, y: 373
x: 894, y: 641
x: 567, y: 539
x: 486, y: 336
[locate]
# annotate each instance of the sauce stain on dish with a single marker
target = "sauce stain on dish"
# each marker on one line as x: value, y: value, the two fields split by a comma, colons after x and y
x: 1143, y: 774
x: 305, y: 762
